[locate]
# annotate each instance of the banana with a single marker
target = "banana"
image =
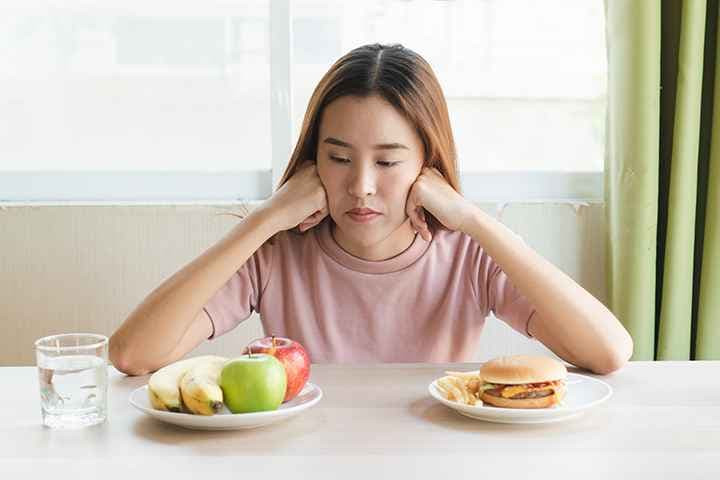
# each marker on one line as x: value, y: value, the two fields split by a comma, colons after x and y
x: 199, y: 387
x: 164, y: 385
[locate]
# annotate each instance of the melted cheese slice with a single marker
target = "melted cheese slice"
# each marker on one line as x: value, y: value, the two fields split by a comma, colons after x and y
x: 509, y: 392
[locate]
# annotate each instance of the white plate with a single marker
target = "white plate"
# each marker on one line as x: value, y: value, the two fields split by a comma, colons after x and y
x: 225, y: 420
x: 582, y: 394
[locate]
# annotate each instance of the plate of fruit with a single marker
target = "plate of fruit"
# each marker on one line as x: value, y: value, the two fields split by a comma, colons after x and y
x: 267, y: 384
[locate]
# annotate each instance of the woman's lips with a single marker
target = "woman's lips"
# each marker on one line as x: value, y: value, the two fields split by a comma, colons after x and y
x: 363, y: 218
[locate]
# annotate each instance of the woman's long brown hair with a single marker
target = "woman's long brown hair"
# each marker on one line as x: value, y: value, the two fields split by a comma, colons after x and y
x: 402, y: 78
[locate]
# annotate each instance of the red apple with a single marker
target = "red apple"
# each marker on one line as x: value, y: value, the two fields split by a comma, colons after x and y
x: 293, y: 357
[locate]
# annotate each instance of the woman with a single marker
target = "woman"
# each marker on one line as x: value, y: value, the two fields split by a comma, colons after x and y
x: 367, y: 251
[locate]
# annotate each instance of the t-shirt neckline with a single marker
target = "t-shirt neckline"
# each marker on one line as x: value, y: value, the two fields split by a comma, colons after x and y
x: 404, y: 259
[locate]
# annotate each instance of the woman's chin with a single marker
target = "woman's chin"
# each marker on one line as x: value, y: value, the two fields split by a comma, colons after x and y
x: 362, y: 234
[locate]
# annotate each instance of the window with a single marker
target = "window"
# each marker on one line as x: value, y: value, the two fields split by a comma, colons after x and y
x: 134, y: 100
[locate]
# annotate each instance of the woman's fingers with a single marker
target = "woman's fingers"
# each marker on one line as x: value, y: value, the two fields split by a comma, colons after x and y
x: 317, y: 217
x: 424, y: 229
x: 419, y: 221
x: 412, y: 210
x: 421, y: 214
x: 313, y: 219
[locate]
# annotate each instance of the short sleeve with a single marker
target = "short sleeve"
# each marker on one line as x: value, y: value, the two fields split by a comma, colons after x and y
x: 242, y: 293
x: 497, y: 294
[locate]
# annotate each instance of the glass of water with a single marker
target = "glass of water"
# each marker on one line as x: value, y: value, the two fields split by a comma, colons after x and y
x: 72, y: 368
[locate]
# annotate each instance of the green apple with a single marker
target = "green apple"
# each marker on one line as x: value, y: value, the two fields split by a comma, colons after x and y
x: 253, y: 383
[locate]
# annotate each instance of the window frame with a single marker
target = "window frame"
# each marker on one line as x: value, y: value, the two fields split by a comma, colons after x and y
x: 255, y: 185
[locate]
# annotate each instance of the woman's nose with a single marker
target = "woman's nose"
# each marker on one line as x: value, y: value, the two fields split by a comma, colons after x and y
x: 362, y: 183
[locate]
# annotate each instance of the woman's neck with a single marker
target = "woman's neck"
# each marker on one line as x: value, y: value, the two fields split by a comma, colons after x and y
x: 398, y: 241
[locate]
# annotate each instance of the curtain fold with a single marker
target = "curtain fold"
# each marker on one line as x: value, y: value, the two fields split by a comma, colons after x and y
x: 708, y: 323
x: 674, y: 328
x: 662, y: 175
x: 631, y: 173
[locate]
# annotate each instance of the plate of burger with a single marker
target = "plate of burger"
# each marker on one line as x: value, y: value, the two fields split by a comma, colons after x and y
x: 520, y: 389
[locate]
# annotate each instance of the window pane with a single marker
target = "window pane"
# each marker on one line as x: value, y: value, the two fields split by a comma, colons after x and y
x: 129, y: 85
x: 525, y: 80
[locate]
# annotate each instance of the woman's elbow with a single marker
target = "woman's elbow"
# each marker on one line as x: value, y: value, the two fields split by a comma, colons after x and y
x: 617, y: 357
x: 122, y: 360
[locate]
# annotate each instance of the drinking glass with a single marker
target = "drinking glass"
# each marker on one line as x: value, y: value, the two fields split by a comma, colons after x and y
x: 72, y: 369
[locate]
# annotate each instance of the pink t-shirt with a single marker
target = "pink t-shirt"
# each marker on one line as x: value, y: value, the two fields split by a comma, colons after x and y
x: 427, y: 304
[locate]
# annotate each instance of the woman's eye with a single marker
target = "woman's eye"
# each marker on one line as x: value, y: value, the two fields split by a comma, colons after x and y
x: 387, y: 164
x: 382, y: 163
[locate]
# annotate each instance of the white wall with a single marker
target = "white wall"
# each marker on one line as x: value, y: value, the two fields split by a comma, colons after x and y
x: 85, y: 267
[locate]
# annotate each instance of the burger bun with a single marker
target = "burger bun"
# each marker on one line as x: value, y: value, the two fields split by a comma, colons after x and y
x: 521, y: 369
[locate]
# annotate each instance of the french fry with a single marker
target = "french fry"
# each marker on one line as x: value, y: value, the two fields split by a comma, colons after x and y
x: 473, y: 386
x: 454, y: 393
x: 461, y: 387
x: 442, y: 390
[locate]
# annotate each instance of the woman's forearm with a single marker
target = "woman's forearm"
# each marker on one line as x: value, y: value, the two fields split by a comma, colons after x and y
x: 152, y: 331
x: 568, y: 319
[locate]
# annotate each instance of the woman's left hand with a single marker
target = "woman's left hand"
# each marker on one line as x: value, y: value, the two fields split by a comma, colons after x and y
x: 432, y: 193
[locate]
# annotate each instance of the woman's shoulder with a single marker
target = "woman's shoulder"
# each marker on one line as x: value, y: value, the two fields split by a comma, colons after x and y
x: 454, y: 240
x: 291, y: 242
x: 454, y: 248
x: 461, y: 249
x: 461, y: 240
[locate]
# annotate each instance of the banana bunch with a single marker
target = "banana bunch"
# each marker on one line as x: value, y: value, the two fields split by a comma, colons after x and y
x: 164, y: 386
x: 199, y: 387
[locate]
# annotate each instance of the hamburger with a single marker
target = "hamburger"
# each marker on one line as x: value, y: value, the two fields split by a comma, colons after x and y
x: 522, y: 381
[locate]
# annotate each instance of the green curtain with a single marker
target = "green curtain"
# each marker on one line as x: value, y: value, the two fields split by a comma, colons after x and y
x: 662, y: 176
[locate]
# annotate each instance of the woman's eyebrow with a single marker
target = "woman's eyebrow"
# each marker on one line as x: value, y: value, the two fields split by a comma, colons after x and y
x: 381, y: 146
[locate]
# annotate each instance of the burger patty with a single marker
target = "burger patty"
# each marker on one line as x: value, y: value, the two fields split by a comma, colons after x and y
x: 535, y: 394
x: 497, y: 392
x: 531, y: 390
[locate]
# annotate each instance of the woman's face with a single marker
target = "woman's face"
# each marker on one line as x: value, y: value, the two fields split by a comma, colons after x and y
x: 368, y: 156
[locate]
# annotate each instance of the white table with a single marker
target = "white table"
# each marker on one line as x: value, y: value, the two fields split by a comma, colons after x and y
x: 379, y: 422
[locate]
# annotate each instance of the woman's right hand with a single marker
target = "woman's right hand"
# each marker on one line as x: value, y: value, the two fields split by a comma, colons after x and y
x: 301, y: 201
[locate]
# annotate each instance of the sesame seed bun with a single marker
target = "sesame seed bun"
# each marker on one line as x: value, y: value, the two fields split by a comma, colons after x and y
x: 520, y: 369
